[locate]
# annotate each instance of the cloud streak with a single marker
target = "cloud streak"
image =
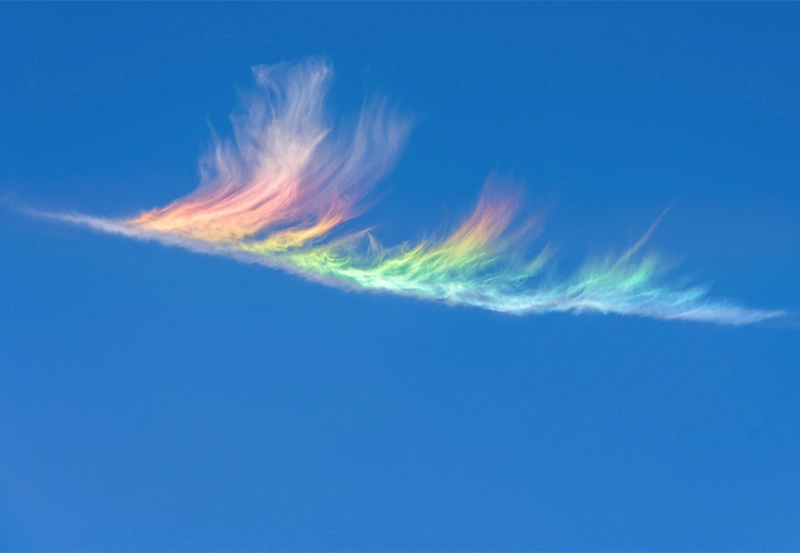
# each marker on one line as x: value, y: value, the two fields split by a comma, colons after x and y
x: 279, y: 192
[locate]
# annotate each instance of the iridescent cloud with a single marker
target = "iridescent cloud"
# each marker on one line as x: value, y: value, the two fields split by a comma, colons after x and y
x: 279, y: 192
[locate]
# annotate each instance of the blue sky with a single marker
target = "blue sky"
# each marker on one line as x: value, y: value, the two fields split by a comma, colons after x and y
x: 155, y: 399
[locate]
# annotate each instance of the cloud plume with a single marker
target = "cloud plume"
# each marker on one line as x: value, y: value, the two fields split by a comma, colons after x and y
x: 279, y: 192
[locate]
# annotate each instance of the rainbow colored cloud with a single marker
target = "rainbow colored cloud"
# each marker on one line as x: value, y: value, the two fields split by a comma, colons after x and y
x: 278, y: 193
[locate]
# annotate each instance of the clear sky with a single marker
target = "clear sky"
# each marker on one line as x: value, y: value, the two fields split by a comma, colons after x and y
x: 152, y: 398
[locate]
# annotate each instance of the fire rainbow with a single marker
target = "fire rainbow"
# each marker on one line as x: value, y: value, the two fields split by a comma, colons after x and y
x: 279, y: 192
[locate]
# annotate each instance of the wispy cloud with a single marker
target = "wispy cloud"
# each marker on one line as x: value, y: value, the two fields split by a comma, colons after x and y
x: 278, y: 193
